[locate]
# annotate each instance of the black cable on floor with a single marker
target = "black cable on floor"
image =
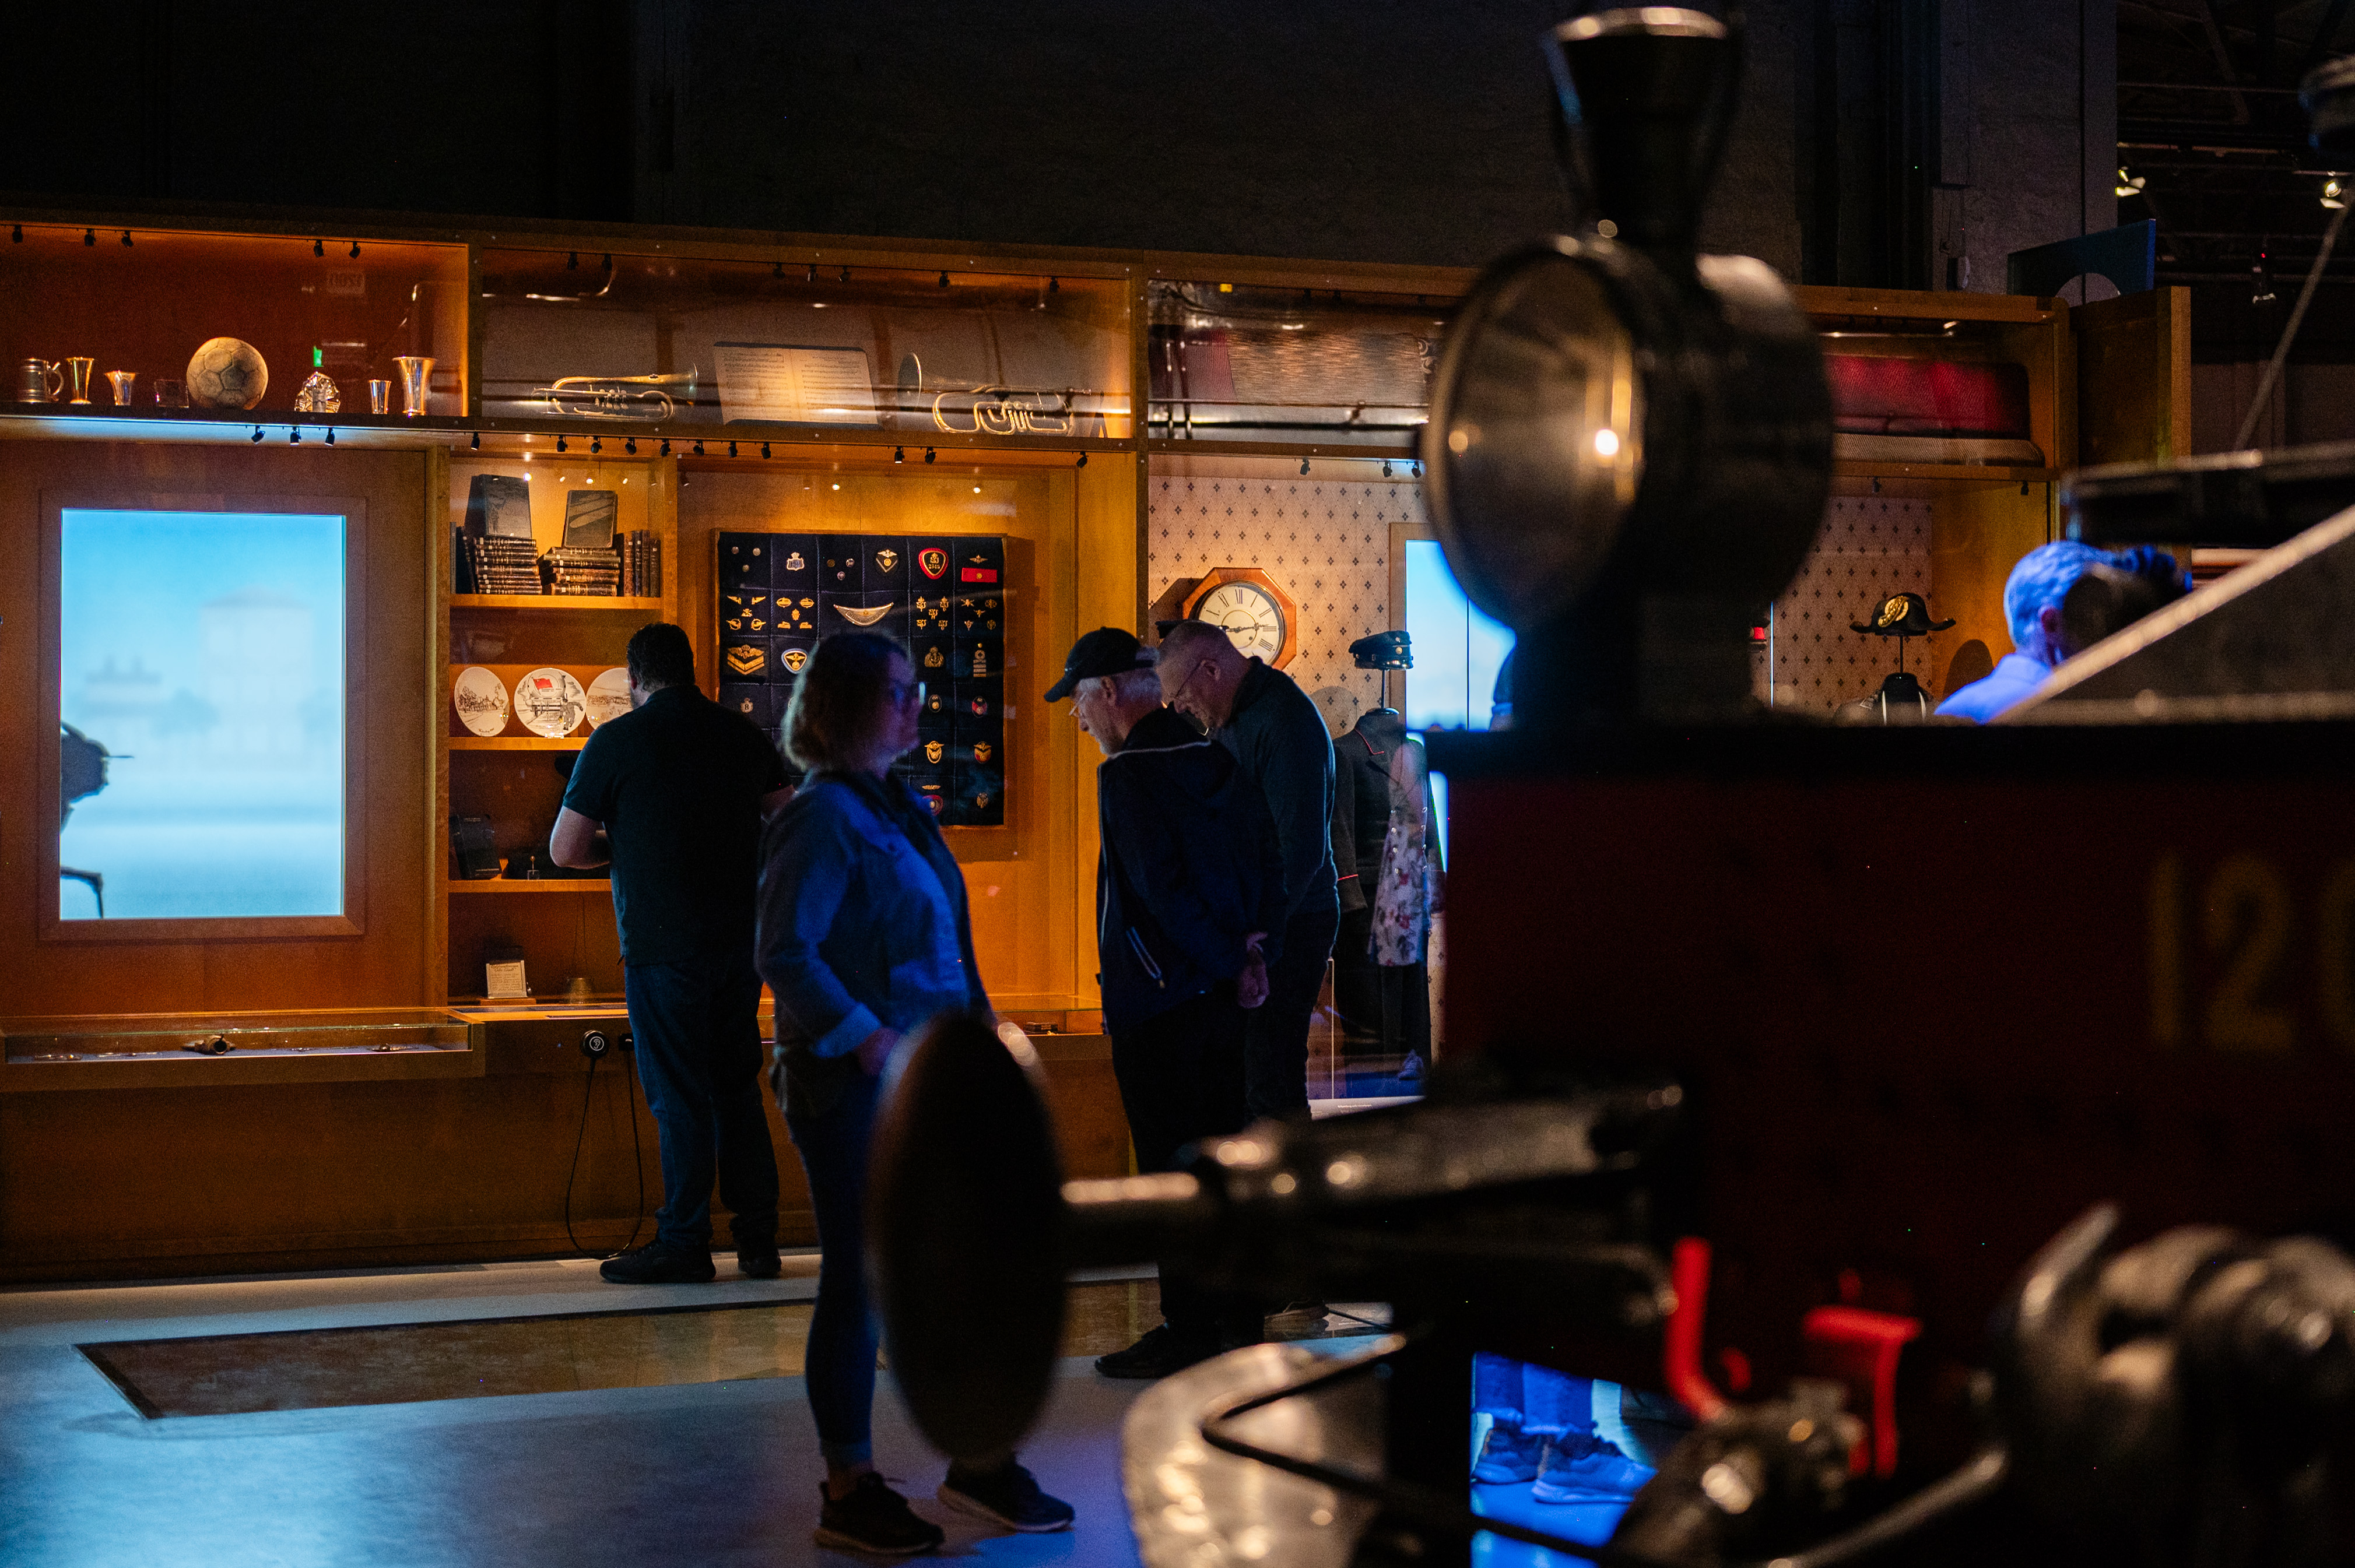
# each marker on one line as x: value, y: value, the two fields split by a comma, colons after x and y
x: 637, y: 1156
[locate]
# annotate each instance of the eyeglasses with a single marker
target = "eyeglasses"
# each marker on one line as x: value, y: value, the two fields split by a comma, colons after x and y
x: 1189, y: 681
x: 907, y: 691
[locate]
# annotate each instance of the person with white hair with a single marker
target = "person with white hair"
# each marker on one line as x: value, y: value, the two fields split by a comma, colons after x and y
x: 2060, y: 600
x: 1190, y: 882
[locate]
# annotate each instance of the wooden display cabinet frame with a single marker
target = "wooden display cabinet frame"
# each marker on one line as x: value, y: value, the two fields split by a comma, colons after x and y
x: 353, y: 921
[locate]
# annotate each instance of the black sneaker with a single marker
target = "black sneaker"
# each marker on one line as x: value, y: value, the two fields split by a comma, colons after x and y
x: 1163, y: 1350
x: 655, y: 1264
x: 1007, y: 1496
x: 759, y: 1262
x: 873, y: 1517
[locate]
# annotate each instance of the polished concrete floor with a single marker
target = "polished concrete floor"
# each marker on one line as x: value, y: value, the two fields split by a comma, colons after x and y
x: 719, y: 1472
x: 505, y: 1414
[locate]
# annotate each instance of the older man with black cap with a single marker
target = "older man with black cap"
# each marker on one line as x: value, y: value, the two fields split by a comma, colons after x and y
x: 1189, y: 881
x: 1259, y: 715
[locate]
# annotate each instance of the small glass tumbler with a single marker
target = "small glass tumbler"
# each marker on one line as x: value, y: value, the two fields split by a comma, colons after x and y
x: 78, y: 367
x: 121, y: 380
x: 380, y: 396
x: 170, y: 394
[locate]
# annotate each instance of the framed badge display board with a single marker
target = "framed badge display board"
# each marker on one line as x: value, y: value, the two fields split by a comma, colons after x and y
x: 942, y: 596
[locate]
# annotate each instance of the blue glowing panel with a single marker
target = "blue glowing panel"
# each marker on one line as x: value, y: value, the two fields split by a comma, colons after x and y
x: 1458, y: 649
x: 204, y: 651
x: 1457, y: 652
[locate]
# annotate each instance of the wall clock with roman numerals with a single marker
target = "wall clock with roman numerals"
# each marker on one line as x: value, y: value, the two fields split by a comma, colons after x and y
x: 1259, y: 618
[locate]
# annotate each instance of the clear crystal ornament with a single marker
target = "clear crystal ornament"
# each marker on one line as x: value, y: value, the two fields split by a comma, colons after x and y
x: 318, y: 395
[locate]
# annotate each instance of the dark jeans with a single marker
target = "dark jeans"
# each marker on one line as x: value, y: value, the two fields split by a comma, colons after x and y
x: 1181, y: 1080
x: 1276, y: 1034
x: 1379, y: 1005
x: 697, y: 1028
x: 840, y: 1365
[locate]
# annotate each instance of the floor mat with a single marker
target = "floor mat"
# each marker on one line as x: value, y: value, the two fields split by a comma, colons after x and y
x: 226, y: 1374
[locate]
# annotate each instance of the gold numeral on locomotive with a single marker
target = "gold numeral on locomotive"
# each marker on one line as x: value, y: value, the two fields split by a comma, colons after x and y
x: 2253, y: 940
x: 2248, y: 922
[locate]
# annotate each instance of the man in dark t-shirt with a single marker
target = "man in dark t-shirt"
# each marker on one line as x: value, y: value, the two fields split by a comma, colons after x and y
x: 672, y: 794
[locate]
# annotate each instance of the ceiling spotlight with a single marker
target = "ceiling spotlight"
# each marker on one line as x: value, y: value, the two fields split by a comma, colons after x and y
x: 2129, y: 184
x: 18, y: 236
x: 666, y: 447
x: 976, y: 490
x: 1418, y: 470
x: 318, y: 248
x: 778, y: 270
x: 929, y: 454
x: 355, y: 249
x: 331, y: 436
x: 812, y: 272
x: 1084, y: 459
x: 631, y: 446
x: 837, y: 484
x: 845, y: 274
x: 2334, y: 195
x: 732, y: 449
x: 699, y: 448
x: 944, y: 277
x: 90, y: 237
x: 1304, y: 465
x: 257, y: 434
x: 765, y: 449
x: 898, y: 454
x: 1054, y: 285
x: 560, y: 443
x: 596, y: 445
x: 476, y: 443
x: 127, y: 239
x: 572, y: 261
x: 294, y: 436
x: 1386, y: 468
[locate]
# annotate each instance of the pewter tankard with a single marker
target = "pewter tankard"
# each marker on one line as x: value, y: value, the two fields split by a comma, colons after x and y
x: 40, y: 381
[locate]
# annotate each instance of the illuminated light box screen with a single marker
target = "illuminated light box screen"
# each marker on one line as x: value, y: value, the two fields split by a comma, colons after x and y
x: 204, y: 653
x: 1458, y: 652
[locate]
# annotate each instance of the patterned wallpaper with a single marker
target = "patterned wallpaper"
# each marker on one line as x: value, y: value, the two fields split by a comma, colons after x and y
x: 1324, y: 535
x: 1869, y: 546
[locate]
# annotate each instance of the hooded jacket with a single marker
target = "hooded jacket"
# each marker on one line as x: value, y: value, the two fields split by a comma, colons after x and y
x: 1189, y: 867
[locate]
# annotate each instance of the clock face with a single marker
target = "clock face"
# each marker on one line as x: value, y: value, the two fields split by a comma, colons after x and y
x: 1249, y: 615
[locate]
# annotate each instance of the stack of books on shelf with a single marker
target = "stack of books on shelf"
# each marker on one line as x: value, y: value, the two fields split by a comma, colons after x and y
x: 494, y: 563
x: 575, y: 571
x: 642, y: 564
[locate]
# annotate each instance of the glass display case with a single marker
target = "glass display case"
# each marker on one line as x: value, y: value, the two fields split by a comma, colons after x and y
x: 673, y: 344
x: 1932, y: 382
x: 175, y: 1050
x: 1242, y: 363
x: 140, y: 303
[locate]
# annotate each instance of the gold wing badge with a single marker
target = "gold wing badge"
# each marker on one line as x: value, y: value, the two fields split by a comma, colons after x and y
x: 863, y: 617
x: 886, y: 559
x: 794, y: 658
x: 932, y: 750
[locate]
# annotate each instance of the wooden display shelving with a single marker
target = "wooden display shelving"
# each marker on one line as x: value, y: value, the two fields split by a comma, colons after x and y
x: 540, y: 885
x: 552, y: 601
x: 516, y: 743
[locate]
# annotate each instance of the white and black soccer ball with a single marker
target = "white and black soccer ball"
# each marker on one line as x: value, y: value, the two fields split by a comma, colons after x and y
x: 227, y: 372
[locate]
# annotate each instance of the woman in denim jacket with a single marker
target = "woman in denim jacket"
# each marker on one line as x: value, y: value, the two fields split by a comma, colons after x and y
x: 863, y: 936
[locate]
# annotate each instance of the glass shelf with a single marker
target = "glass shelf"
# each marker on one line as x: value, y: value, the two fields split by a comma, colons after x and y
x: 542, y: 884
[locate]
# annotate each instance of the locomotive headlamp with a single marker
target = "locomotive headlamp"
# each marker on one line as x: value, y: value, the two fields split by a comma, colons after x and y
x: 1630, y: 444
